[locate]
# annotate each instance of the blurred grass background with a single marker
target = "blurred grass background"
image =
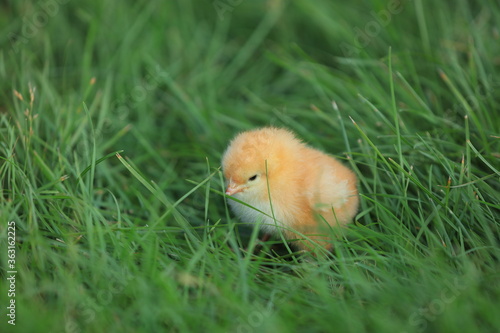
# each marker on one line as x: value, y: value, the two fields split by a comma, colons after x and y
x: 405, y: 92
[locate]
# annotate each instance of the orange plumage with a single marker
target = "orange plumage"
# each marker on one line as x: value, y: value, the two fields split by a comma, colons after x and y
x: 307, y: 189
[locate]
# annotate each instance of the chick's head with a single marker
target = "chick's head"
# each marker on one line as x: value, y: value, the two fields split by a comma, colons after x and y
x: 255, y: 158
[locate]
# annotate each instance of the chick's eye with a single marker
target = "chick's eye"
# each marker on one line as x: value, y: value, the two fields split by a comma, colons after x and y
x: 254, y: 177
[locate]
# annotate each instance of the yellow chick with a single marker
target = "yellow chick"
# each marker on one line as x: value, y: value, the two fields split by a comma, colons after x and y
x: 278, y: 175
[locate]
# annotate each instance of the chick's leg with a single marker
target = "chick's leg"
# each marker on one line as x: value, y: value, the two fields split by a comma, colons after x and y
x: 310, y: 242
x: 265, y: 237
x: 262, y: 240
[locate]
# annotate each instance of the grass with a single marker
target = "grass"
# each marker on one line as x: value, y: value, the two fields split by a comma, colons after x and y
x: 115, y: 114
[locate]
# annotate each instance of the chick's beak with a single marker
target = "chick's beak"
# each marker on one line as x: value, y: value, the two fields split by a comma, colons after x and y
x: 233, y: 188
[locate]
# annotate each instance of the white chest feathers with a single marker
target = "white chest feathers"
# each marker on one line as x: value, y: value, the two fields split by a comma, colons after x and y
x: 260, y: 213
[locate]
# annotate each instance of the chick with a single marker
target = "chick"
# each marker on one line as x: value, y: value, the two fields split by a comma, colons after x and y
x: 279, y: 176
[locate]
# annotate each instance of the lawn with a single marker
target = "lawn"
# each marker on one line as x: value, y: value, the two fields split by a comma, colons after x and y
x: 113, y: 119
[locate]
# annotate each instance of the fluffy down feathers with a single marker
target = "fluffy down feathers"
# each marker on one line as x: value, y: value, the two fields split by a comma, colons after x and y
x: 307, y: 189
